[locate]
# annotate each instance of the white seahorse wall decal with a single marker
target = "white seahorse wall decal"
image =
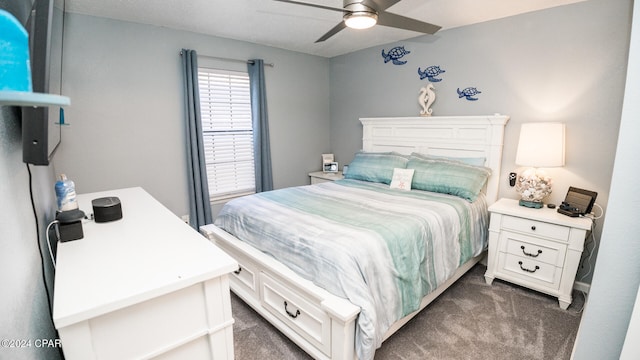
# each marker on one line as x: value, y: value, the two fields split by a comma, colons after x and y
x: 426, y: 98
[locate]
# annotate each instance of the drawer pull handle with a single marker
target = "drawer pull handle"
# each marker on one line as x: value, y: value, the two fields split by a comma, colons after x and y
x: 533, y: 228
x: 291, y: 314
x: 237, y: 272
x: 530, y: 254
x: 528, y: 270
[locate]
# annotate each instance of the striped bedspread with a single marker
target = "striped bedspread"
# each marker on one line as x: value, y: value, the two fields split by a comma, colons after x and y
x: 382, y: 249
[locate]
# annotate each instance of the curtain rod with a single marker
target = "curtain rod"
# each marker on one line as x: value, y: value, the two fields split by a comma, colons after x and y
x: 233, y: 60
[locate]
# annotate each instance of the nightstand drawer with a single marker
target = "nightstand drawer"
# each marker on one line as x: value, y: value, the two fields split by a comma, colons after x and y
x: 536, y: 228
x: 532, y: 248
x: 530, y: 271
x: 319, y: 177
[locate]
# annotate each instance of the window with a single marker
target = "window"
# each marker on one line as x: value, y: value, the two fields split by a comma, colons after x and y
x: 225, y: 107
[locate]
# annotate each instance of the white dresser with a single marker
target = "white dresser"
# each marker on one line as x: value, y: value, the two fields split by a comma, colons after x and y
x: 146, y: 286
x: 536, y: 248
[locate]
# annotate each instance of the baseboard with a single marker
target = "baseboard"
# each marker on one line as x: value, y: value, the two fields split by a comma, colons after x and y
x: 581, y: 286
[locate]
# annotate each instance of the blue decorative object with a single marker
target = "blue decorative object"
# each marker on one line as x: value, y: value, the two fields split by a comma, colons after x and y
x: 15, y: 72
x: 16, y: 88
x: 469, y: 93
x: 430, y: 73
x: 395, y: 54
x: 61, y: 117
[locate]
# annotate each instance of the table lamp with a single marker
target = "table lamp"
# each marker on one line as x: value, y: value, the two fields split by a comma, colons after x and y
x: 541, y: 145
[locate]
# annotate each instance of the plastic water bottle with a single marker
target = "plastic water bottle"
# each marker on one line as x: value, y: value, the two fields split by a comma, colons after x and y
x: 66, y: 194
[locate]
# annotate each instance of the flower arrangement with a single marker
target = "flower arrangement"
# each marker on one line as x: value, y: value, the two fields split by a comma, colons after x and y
x: 533, y: 185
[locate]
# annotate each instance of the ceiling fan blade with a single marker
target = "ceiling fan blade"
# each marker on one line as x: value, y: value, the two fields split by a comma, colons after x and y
x: 380, y: 5
x: 336, y: 29
x: 312, y: 5
x: 403, y: 22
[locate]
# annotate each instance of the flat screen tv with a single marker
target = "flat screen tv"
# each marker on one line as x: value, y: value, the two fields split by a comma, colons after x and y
x: 41, y: 129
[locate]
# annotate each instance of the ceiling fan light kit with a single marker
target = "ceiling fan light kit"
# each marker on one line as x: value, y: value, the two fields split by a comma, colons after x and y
x: 360, y: 20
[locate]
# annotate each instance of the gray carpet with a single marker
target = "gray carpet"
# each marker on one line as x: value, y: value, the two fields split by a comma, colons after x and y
x: 471, y: 320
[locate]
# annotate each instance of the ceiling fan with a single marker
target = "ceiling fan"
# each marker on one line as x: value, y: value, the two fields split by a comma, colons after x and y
x: 367, y: 13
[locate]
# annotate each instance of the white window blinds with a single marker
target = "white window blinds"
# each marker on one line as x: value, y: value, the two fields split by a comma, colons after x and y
x: 225, y: 107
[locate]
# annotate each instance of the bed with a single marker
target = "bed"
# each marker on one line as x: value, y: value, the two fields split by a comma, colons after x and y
x: 328, y: 291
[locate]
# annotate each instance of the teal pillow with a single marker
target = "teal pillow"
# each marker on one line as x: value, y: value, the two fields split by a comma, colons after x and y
x: 375, y: 167
x: 448, y: 177
x: 475, y: 161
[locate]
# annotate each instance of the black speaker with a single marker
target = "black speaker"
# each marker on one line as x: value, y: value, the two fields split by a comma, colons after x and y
x: 107, y: 209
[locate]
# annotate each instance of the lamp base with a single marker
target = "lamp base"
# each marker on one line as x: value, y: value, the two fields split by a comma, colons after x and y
x: 531, y: 204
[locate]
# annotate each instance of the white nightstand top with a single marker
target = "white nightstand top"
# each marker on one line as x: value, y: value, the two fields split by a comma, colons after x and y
x: 511, y: 207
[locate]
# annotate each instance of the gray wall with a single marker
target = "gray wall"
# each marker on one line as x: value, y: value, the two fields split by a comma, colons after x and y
x: 565, y: 64
x: 126, y: 112
x: 24, y: 309
x: 617, y: 274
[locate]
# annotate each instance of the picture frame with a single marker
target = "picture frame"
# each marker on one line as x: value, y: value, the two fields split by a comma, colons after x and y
x: 330, y: 167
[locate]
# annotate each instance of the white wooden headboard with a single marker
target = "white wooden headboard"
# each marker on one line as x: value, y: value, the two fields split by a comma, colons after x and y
x: 459, y: 136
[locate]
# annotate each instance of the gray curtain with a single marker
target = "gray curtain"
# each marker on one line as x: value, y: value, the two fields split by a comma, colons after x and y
x: 261, y: 148
x: 199, y: 206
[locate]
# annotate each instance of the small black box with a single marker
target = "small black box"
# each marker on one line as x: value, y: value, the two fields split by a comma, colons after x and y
x: 106, y: 209
x: 70, y: 225
x: 71, y: 231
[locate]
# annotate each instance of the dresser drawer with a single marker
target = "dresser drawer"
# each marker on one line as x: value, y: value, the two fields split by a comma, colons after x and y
x: 530, y: 271
x: 536, y: 228
x: 304, y: 316
x: 533, y: 248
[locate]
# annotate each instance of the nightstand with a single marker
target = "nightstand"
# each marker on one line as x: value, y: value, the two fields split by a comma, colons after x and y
x: 536, y: 248
x: 318, y: 177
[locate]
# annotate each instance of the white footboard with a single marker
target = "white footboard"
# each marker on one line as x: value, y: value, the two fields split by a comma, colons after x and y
x: 321, y: 323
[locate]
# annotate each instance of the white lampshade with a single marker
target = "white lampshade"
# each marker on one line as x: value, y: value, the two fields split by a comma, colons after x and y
x: 541, y: 145
x: 360, y: 20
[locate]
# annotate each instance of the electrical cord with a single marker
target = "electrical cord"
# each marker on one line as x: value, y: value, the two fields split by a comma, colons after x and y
x: 593, y: 216
x: 35, y: 216
x: 591, y: 240
x: 53, y: 260
x: 589, y: 251
x: 42, y: 265
x: 587, y: 255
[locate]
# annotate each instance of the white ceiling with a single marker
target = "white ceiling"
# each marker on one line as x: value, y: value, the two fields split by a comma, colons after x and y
x: 295, y: 27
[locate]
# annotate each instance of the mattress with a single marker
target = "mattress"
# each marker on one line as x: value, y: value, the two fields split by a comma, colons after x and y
x: 382, y: 249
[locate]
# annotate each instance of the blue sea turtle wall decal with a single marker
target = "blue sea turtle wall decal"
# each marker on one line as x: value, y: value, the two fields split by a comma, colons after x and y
x: 395, y: 54
x: 469, y: 93
x: 430, y: 73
